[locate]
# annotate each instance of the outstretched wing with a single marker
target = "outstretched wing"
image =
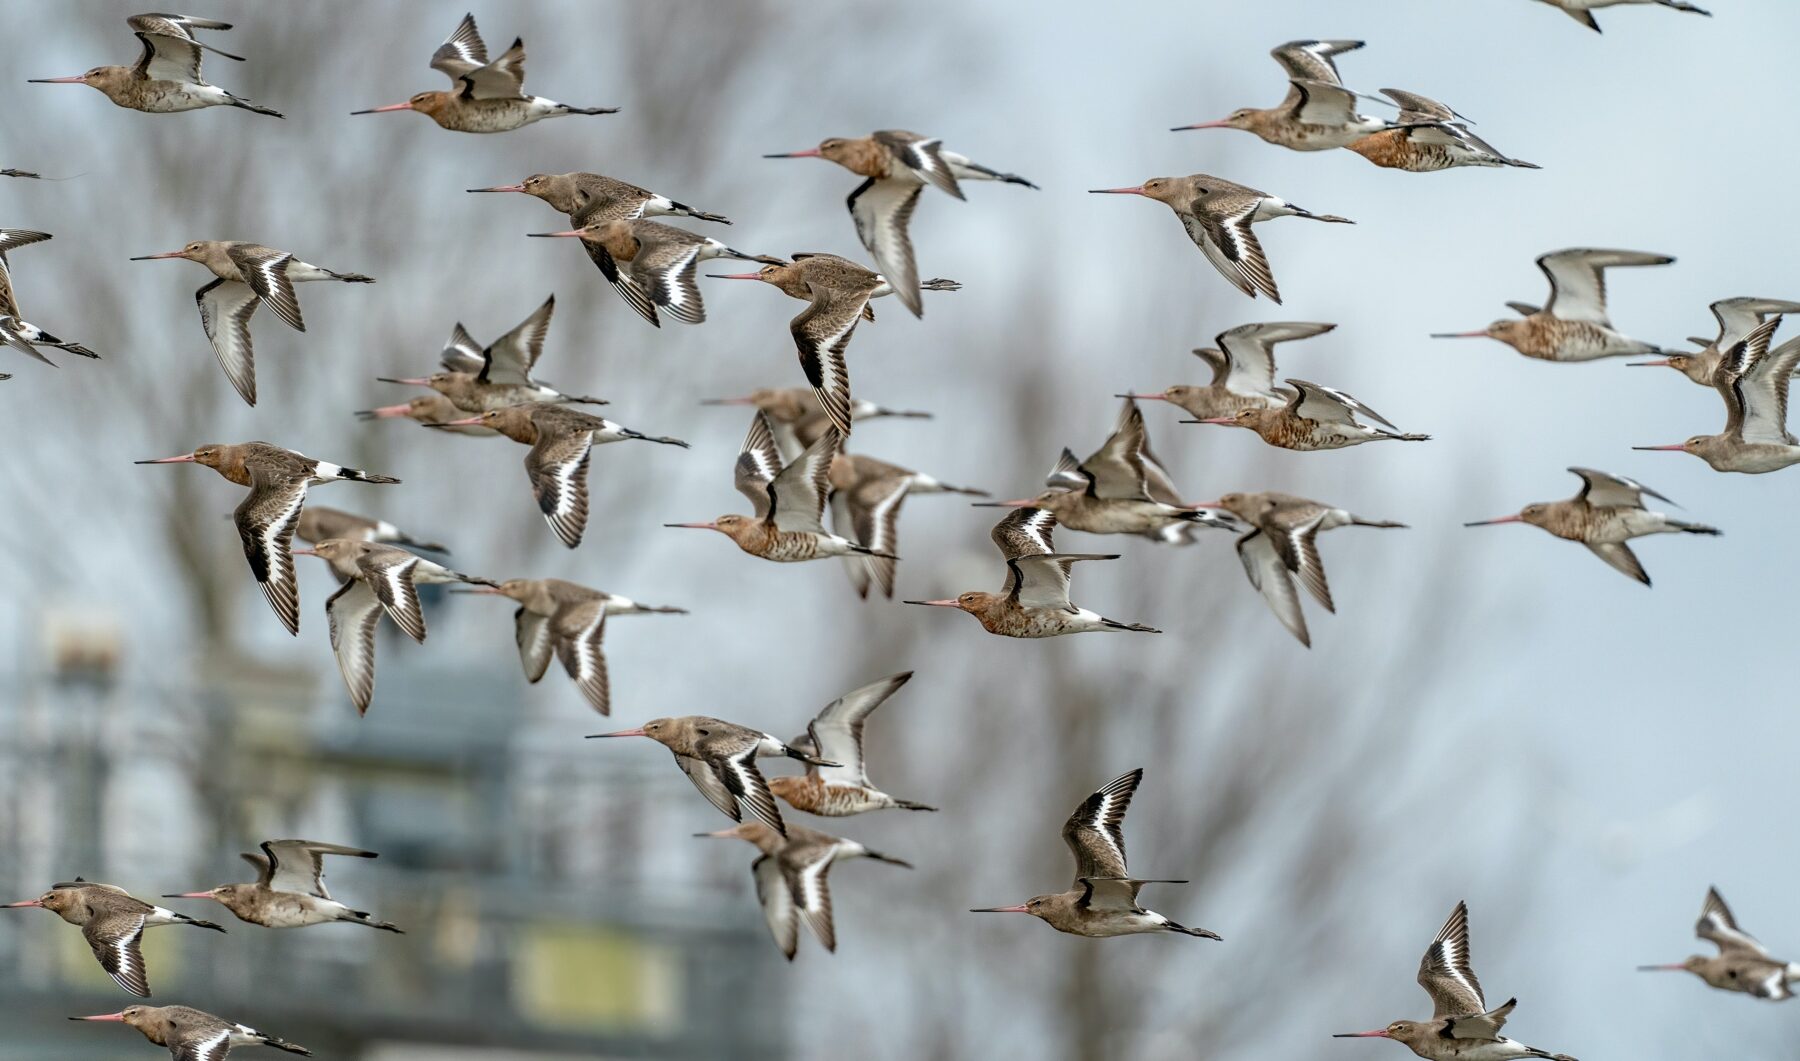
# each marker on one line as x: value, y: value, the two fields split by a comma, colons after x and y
x: 462, y: 52
x: 511, y: 357
x: 1578, y: 280
x: 1604, y: 488
x: 1445, y: 971
x: 1095, y: 833
x: 758, y: 463
x: 837, y: 732
x: 798, y: 492
x: 1718, y: 926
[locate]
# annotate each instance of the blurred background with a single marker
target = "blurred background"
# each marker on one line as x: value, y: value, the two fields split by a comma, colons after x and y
x: 1492, y: 714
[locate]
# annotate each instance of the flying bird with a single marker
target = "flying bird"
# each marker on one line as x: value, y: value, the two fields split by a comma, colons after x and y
x: 1582, y: 11
x: 1314, y: 418
x: 193, y: 1035
x: 113, y: 922
x: 248, y: 275
x: 429, y: 410
x: 1034, y: 601
x: 15, y: 330
x: 1427, y: 137
x: 797, y: 419
x: 1753, y: 380
x: 789, y: 501
x: 485, y: 97
x: 477, y: 378
x: 1217, y: 215
x: 1461, y: 1028
x: 1121, y: 488
x: 898, y: 165
x: 268, y: 516
x: 791, y: 878
x: 1741, y: 964
x: 1737, y: 318
x: 318, y: 523
x: 567, y: 620
x: 1317, y: 114
x: 561, y: 440
x: 720, y: 759
x: 837, y: 734
x: 1103, y: 901
x: 1283, y: 541
x: 866, y: 495
x: 1606, y: 514
x: 289, y: 890
x: 1573, y: 325
x: 837, y: 291
x: 1243, y: 368
x: 166, y: 78
x: 652, y: 265
x: 376, y: 578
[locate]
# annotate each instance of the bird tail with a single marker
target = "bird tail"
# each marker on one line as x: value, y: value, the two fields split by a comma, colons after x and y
x: 938, y: 283
x: 1358, y: 521
x: 1680, y: 5
x: 664, y: 439
x: 566, y: 109
x: 351, y: 278
x: 1519, y: 163
x: 907, y: 804
x: 1398, y: 437
x: 282, y: 1044
x: 1176, y: 926
x: 360, y: 917
x: 238, y: 101
x: 806, y: 757
x: 1332, y: 218
x: 414, y: 543
x: 184, y: 919
x: 1694, y: 528
x: 357, y: 475
x: 1206, y: 518
x: 685, y: 210
x: 475, y: 580
x: 583, y: 399
x: 863, y: 550
x: 1112, y: 624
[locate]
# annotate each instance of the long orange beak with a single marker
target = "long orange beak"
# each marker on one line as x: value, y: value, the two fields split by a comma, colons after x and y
x: 410, y: 381
x: 735, y: 276
x: 1378, y: 1034
x: 304, y: 552
x: 196, y: 895
x: 1137, y: 190
x: 390, y: 107
x: 500, y: 188
x: 726, y: 401
x: 1671, y: 449
x: 155, y: 257
x: 120, y: 1017
x: 935, y: 603
x: 1020, y: 909
x: 694, y: 526
x: 549, y: 235
x: 1215, y: 420
x: 1676, y: 967
x: 77, y: 79
x: 618, y: 733
x: 384, y: 412
x: 1663, y: 363
x: 1023, y: 502
x: 1220, y: 124
x: 811, y: 152
x: 490, y: 590
x: 22, y: 905
x: 1460, y: 335
x: 1491, y: 522
x: 1145, y: 397
x: 185, y: 458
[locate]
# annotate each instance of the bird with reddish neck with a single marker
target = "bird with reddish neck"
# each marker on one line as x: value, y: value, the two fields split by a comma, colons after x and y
x: 652, y: 265
x: 487, y: 97
x: 1317, y: 114
x: 166, y: 77
x: 1753, y: 380
x: 191, y: 1034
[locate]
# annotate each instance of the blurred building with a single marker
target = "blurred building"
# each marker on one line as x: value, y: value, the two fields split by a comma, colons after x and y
x: 534, y: 927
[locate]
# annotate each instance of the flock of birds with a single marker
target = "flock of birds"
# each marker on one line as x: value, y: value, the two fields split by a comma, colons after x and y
x: 793, y: 466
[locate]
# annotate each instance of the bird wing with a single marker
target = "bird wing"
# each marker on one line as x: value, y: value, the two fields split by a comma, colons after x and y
x: 710, y: 784
x: 1738, y: 316
x: 821, y: 336
x: 167, y: 56
x: 874, y: 511
x: 532, y: 632
x: 777, y: 900
x: 806, y: 867
x: 510, y: 358
x: 923, y: 156
x: 1619, y: 556
x: 299, y: 865
x: 744, y: 782
x: 1578, y: 280
x: 1324, y: 103
x: 1603, y: 488
x: 1445, y: 972
x: 1095, y: 833
x: 1328, y: 404
x: 114, y: 938
x: 1249, y: 351
x: 1417, y: 108
x: 261, y: 862
x: 203, y: 1047
x: 225, y: 310
x: 1312, y: 60
x: 1484, y: 1026
x: 1263, y: 564
x: 504, y: 78
x: 665, y: 270
x: 758, y: 464
x: 462, y: 353
x: 1117, y: 894
x: 1762, y: 386
x: 557, y: 465
x: 1297, y: 542
x: 1024, y: 535
x: 352, y: 612
x: 11, y: 239
x: 1234, y: 249
x: 882, y: 209
x: 629, y: 290
x: 577, y: 630
x: 1115, y: 471
x: 1718, y: 926
x: 389, y: 573
x: 266, y: 520
x: 837, y: 731
x: 797, y: 494
x: 462, y: 52
x: 265, y: 270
